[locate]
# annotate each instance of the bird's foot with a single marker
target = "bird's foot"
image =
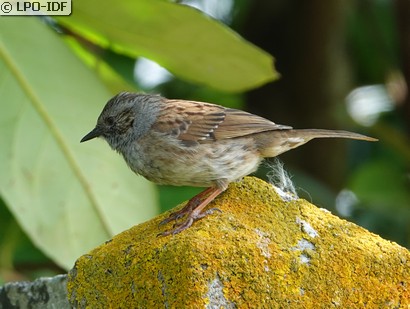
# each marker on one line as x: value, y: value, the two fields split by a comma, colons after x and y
x: 177, y: 214
x: 193, y: 210
x: 192, y: 204
x: 192, y: 217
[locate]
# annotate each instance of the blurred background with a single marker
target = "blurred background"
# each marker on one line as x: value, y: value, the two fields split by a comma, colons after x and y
x: 343, y: 65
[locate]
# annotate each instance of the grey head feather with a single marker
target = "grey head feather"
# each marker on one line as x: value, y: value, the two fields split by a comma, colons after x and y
x: 127, y: 117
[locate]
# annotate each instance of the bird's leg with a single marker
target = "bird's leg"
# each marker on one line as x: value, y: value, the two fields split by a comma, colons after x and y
x: 193, y: 209
x: 189, y: 206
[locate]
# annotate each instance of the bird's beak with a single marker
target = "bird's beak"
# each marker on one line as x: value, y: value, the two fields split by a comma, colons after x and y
x: 96, y: 132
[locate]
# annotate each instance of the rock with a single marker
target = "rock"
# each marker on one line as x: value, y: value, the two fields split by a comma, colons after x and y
x: 43, y: 293
x: 263, y: 250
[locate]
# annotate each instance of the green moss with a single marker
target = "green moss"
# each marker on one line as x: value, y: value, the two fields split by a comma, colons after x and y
x: 261, y: 250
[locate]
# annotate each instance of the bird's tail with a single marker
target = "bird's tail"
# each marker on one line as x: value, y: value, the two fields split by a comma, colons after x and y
x: 276, y: 142
x: 319, y: 133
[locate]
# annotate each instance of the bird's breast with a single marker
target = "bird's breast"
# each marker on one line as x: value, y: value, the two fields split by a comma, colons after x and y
x: 165, y: 160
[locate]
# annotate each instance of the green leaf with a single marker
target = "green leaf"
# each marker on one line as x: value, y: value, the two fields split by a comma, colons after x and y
x: 180, y: 38
x: 67, y: 197
x: 111, y: 79
x: 381, y: 184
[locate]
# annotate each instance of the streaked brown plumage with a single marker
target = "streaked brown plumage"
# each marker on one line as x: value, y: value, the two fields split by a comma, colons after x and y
x: 188, y: 143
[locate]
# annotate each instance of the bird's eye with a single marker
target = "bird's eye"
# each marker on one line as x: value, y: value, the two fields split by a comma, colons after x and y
x: 109, y: 121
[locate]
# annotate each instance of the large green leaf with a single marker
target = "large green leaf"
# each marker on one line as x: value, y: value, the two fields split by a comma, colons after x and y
x: 68, y: 197
x: 180, y: 38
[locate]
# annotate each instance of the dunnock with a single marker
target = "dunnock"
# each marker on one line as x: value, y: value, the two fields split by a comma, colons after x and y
x: 188, y: 143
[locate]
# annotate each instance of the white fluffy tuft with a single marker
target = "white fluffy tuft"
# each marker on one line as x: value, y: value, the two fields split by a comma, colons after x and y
x: 281, y: 180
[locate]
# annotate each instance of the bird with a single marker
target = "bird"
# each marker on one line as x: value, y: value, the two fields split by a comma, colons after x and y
x: 189, y: 143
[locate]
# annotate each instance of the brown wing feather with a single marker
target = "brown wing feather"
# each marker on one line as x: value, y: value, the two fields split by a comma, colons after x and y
x: 195, y: 122
x: 239, y: 123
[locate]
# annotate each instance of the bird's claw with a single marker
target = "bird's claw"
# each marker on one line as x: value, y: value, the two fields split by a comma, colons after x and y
x: 172, y: 217
x: 192, y: 217
x: 206, y: 212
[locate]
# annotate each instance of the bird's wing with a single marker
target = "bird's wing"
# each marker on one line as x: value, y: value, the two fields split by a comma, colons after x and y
x: 239, y: 123
x: 195, y: 122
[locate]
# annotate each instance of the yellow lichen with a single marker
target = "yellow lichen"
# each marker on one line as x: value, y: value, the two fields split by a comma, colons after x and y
x: 263, y: 251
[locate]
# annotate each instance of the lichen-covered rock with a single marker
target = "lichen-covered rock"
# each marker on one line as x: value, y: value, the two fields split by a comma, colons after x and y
x: 261, y: 251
